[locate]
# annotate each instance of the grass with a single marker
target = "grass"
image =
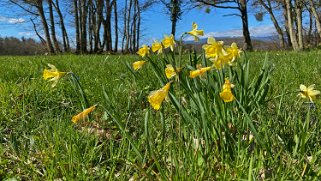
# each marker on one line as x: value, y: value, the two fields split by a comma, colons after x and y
x: 125, y: 139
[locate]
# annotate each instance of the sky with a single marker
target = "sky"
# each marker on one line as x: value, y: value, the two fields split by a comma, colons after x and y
x: 215, y: 23
x: 156, y: 23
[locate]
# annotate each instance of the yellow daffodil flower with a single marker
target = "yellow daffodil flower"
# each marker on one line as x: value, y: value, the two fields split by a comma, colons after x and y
x: 308, y: 92
x: 227, y: 84
x: 157, y: 47
x: 143, y: 51
x: 213, y: 48
x: 169, y: 41
x: 233, y: 51
x: 170, y: 71
x: 221, y: 60
x: 53, y: 74
x: 195, y: 32
x: 198, y: 72
x: 155, y: 98
x: 138, y: 64
x: 226, y: 93
x: 83, y: 114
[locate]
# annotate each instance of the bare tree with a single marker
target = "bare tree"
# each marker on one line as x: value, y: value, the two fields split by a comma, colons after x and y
x: 298, y: 12
x: 77, y: 26
x: 241, y: 7
x: 116, y: 26
x: 38, y: 5
x: 316, y: 16
x: 293, y: 39
x: 65, y: 38
x: 267, y: 5
x: 107, y: 25
x: 174, y: 8
x: 52, y: 27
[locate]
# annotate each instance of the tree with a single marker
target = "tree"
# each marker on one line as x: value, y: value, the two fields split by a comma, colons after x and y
x: 65, y: 38
x: 52, y: 26
x: 289, y: 13
x: 77, y: 26
x: 241, y: 7
x: 107, y: 25
x: 174, y: 8
x: 298, y: 12
x: 267, y: 5
x: 29, y: 6
x: 116, y: 26
x: 316, y: 16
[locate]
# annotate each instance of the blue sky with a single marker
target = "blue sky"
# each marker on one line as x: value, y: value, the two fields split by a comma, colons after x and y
x: 216, y: 23
x: 156, y: 23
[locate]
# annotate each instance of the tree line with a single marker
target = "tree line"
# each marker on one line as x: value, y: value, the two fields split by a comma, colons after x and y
x: 23, y: 46
x: 92, y: 24
x: 107, y: 25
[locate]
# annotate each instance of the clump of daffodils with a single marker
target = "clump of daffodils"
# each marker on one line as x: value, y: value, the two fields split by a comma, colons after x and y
x: 215, y: 51
x: 219, y: 54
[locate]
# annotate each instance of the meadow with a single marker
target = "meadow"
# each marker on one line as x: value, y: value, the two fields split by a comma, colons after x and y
x: 272, y: 135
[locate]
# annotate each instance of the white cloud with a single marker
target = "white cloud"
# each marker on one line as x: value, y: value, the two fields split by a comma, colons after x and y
x: 26, y: 33
x: 12, y: 20
x: 255, y: 31
x: 261, y: 31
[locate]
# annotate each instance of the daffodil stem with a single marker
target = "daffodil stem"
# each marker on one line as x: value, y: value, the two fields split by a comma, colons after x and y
x: 78, y: 89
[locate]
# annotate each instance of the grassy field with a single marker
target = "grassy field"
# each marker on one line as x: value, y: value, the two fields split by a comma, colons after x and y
x: 124, y: 138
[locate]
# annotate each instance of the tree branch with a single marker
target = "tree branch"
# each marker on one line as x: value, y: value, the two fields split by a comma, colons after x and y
x: 217, y: 4
x: 43, y: 41
x: 234, y: 14
x: 27, y: 10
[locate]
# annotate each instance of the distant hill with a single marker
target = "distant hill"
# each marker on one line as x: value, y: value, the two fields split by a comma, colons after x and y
x: 259, y: 43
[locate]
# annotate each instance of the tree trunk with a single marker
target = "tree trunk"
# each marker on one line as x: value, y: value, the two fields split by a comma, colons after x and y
x: 83, y: 23
x: 290, y: 25
x: 138, y: 25
x: 134, y: 28
x: 52, y: 27
x: 116, y: 26
x: 311, y: 22
x: 298, y: 10
x: 90, y: 25
x: 65, y: 38
x: 124, y: 29
x: 99, y: 15
x: 128, y: 26
x: 245, y: 25
x: 77, y: 25
x: 174, y: 15
x: 45, y: 26
x: 316, y: 16
x: 107, y: 27
x: 286, y: 25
